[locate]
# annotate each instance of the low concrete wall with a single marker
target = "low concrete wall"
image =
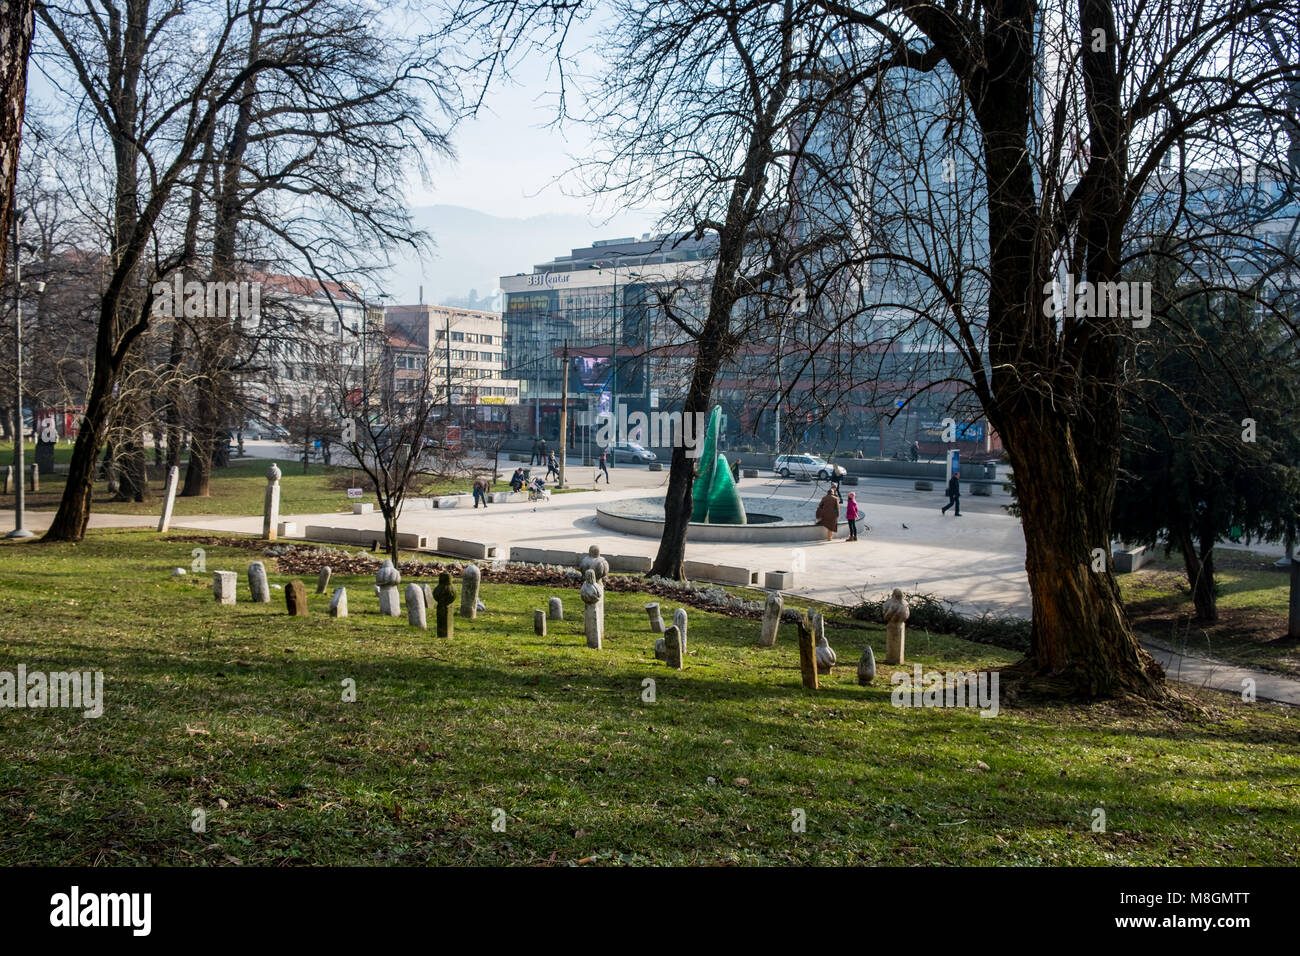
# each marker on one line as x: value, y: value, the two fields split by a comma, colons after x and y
x: 545, y: 556
x: 470, y: 549
x: 365, y: 538
x: 1127, y: 560
x: 628, y: 563
x: 736, y: 533
x: 720, y: 573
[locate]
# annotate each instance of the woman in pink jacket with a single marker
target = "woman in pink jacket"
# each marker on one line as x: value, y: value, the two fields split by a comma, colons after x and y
x: 852, y: 513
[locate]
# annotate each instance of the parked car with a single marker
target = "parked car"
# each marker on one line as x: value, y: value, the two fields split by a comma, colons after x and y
x: 257, y: 431
x: 805, y: 466
x: 634, y: 450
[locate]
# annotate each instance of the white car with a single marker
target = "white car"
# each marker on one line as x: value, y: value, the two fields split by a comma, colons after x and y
x: 633, y: 450
x: 805, y: 466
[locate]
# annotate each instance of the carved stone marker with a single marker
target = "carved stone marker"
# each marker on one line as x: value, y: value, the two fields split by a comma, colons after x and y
x: 539, y: 623
x: 807, y: 652
x: 679, y: 622
x: 271, y: 505
x: 825, y: 656
x: 223, y: 586
x: 656, y: 619
x: 469, y: 580
x: 428, y: 595
x: 387, y: 578
x: 169, y: 499
x: 867, y: 667
x: 772, y: 609
x: 595, y: 563
x: 295, y: 596
x: 323, y: 579
x: 593, y: 617
x: 444, y: 594
x: 415, y: 615
x: 896, y: 612
x: 661, y: 650
x: 35, y: 483
x: 339, y: 603
x: 555, y: 609
x: 257, y: 584
x: 673, y: 648
x: 8, y: 480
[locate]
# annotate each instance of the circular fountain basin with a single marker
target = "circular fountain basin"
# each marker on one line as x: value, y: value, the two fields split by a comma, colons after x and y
x: 770, y: 519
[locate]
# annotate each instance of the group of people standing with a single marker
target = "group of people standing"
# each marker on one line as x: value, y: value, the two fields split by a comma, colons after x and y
x: 828, y: 512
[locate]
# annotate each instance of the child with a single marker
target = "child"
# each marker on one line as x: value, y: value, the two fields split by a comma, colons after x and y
x: 852, y: 513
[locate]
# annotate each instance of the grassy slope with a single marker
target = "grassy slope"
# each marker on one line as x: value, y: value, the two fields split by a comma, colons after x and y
x: 1253, y: 602
x: 238, y: 711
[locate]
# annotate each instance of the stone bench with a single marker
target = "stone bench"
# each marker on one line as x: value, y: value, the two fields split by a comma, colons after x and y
x: 1127, y: 560
x: 362, y: 508
x: 469, y: 549
x: 656, y: 466
x: 849, y: 480
x: 446, y: 501
x: 628, y: 563
x: 721, y: 573
x: 982, y: 489
x: 749, y: 472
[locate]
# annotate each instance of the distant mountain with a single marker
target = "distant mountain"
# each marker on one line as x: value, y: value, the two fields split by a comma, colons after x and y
x: 473, y: 250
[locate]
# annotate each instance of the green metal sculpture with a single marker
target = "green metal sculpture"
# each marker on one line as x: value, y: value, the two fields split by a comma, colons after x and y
x: 714, y: 496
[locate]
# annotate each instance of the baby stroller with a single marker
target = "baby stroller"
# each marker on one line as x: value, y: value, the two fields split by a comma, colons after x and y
x: 537, y: 490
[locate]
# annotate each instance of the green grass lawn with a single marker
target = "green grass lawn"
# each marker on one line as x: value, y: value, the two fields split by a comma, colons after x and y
x: 239, y: 489
x: 238, y: 711
x: 1253, y: 604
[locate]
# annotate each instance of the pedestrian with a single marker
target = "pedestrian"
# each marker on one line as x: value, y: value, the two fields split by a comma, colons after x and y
x: 324, y: 446
x: 542, y: 452
x: 553, y: 466
x: 852, y: 513
x: 954, y: 494
x: 735, y: 470
x: 828, y: 514
x: 481, y: 486
x: 604, y: 467
x: 837, y: 475
x: 532, y: 456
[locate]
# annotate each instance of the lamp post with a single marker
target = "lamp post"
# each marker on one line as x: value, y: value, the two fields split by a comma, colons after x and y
x: 19, y: 451
x: 613, y: 360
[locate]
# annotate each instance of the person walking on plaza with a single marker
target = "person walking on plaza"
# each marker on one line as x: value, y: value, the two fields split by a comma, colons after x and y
x: 552, y: 466
x: 604, y: 467
x: 533, y: 458
x: 852, y: 513
x: 954, y: 494
x: 828, y: 514
x: 481, y: 486
x: 735, y: 470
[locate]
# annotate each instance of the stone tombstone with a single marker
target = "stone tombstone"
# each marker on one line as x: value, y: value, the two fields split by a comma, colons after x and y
x: 444, y: 594
x: 895, y: 611
x: 295, y: 598
x: 807, y: 652
x: 679, y: 622
x: 415, y: 615
x: 257, y: 583
x: 867, y: 667
x: 35, y: 484
x: 9, y: 480
x: 672, y: 648
x: 271, y: 505
x: 772, y: 609
x: 387, y: 578
x: 469, y: 580
x: 593, y: 617
x: 661, y: 650
x: 595, y: 563
x: 428, y: 595
x: 656, y: 619
x: 339, y: 603
x: 555, y: 609
x: 223, y: 586
x: 825, y: 656
x: 169, y: 499
x: 45, y: 456
x: 539, y: 623
x: 323, y: 579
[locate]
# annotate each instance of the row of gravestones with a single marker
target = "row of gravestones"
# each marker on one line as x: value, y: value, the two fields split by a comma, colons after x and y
x: 7, y: 478
x: 671, y: 648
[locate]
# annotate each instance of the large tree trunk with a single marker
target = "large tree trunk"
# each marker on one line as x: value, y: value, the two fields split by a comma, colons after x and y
x: 70, y: 520
x: 1200, y: 573
x: 203, y: 432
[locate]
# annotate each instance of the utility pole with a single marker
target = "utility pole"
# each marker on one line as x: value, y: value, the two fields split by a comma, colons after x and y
x: 19, y: 452
x: 564, y: 415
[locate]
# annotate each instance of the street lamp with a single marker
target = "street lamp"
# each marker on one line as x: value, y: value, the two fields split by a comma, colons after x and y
x: 19, y: 451
x: 613, y: 359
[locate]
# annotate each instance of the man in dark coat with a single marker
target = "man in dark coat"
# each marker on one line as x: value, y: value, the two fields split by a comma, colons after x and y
x: 954, y: 494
